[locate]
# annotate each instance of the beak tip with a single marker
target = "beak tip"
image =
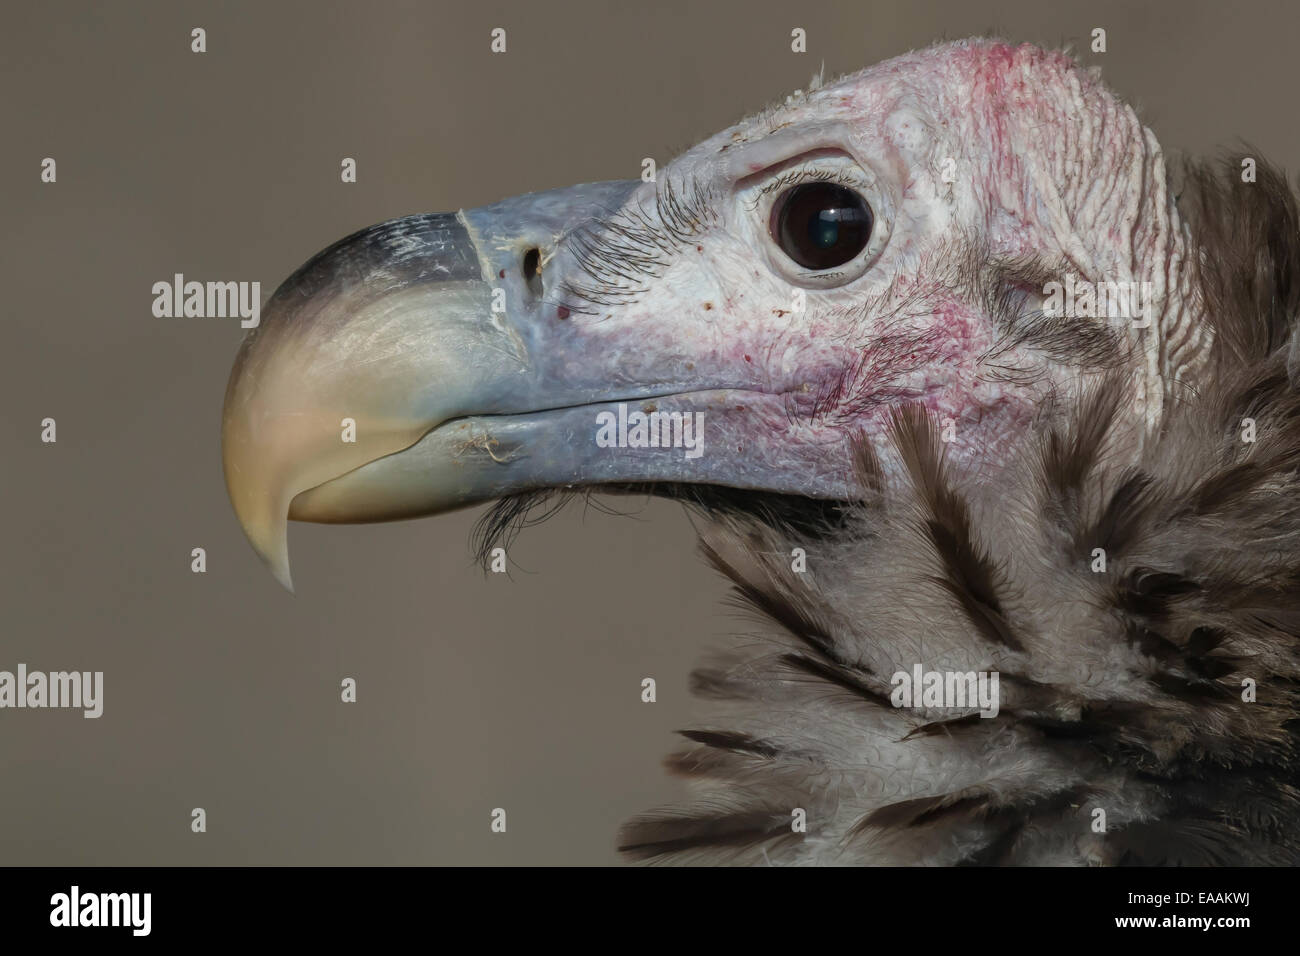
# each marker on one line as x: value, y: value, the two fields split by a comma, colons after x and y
x: 286, y: 581
x: 273, y: 548
x: 265, y: 525
x: 258, y: 494
x: 275, y: 557
x: 280, y: 568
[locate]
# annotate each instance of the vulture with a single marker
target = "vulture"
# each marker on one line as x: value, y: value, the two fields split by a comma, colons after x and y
x: 991, y: 412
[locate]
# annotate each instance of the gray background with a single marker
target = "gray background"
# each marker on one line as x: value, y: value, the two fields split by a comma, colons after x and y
x: 475, y: 691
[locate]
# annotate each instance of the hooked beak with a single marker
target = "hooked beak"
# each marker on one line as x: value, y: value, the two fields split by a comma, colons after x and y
x: 429, y: 362
x: 390, y: 336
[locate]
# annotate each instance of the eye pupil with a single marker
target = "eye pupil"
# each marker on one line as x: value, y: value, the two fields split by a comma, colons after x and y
x: 825, y: 229
x: 822, y: 225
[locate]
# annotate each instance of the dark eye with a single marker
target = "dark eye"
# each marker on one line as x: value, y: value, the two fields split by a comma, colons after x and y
x: 821, y: 225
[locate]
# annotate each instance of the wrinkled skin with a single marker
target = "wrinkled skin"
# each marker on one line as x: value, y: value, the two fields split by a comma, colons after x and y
x: 989, y: 170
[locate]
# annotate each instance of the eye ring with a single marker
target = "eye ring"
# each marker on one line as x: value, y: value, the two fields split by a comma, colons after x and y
x: 768, y: 197
x: 821, y: 225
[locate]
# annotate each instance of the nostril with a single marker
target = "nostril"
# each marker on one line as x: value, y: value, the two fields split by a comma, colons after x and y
x: 533, y: 271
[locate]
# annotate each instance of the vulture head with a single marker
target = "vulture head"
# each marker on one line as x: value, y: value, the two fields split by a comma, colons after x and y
x: 967, y: 382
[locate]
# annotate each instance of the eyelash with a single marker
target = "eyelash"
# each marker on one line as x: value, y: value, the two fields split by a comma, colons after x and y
x: 617, y: 254
x: 797, y: 176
